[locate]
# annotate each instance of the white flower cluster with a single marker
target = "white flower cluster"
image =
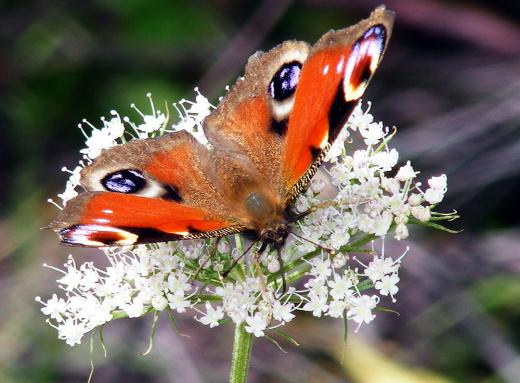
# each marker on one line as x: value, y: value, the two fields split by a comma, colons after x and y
x: 368, y: 199
x: 117, y: 130
x: 323, y: 279
x: 134, y: 283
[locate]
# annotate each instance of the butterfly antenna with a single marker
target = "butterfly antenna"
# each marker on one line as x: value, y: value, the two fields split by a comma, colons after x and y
x: 322, y: 205
x: 282, y: 272
x: 297, y: 217
x: 328, y: 250
x: 211, y: 255
x: 225, y: 273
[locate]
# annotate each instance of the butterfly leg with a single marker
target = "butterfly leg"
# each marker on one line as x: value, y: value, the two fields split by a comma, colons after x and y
x: 226, y: 273
x: 282, y: 272
x: 297, y: 217
x: 330, y: 251
x: 262, y: 279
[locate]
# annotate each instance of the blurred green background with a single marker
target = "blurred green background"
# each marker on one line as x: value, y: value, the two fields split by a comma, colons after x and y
x: 451, y: 83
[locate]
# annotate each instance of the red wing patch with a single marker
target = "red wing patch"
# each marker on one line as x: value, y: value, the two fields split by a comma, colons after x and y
x: 308, y: 124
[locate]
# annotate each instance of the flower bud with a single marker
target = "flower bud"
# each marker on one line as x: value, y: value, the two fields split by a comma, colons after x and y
x: 273, y: 266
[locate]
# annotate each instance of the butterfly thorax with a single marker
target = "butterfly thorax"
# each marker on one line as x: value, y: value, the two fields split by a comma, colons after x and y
x: 266, y: 216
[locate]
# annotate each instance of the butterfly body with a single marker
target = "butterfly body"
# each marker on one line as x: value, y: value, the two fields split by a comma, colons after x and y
x: 267, y: 138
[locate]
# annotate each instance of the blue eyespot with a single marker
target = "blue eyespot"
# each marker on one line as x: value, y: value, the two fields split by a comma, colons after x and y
x: 378, y: 33
x: 283, y: 84
x: 124, y: 181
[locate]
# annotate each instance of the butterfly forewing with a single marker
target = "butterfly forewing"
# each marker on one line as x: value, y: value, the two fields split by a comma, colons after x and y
x: 332, y: 81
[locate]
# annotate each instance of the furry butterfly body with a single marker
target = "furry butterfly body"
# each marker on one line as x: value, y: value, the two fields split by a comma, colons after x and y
x: 268, y: 137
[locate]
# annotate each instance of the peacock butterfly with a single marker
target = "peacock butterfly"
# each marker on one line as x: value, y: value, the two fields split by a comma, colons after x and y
x: 268, y: 137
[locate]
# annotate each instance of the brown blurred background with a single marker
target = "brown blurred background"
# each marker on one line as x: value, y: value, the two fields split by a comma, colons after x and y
x: 451, y: 83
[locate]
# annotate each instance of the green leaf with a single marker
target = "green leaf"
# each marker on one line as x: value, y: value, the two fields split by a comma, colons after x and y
x: 205, y: 298
x: 444, y: 218
x: 386, y: 140
x: 286, y: 336
x: 387, y: 310
x: 435, y: 226
x: 91, y: 352
x: 102, y: 339
x: 365, y: 285
x: 172, y: 319
x: 359, y: 242
x: 173, y: 323
x: 275, y: 342
x: 345, y: 327
x: 152, y: 333
x: 453, y: 213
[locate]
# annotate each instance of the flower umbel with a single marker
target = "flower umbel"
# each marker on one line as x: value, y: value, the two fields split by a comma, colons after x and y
x: 368, y: 205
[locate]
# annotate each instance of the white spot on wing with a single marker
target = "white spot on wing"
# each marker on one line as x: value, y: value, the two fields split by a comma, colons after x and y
x: 326, y: 69
x: 293, y: 55
x: 281, y: 110
x: 152, y: 190
x: 339, y: 67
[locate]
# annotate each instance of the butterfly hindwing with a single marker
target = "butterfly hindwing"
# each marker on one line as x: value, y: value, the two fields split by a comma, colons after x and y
x: 147, y: 191
x: 292, y: 102
x: 249, y: 120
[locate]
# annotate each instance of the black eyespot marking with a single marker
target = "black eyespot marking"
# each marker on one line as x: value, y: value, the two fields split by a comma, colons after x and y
x: 283, y: 84
x: 365, y: 74
x: 339, y: 112
x: 315, y: 153
x: 279, y: 127
x: 124, y: 181
x: 150, y: 234
x: 172, y: 194
x: 361, y: 73
x: 193, y: 230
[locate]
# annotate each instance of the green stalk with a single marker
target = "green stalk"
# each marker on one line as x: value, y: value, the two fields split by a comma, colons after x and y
x: 242, y: 346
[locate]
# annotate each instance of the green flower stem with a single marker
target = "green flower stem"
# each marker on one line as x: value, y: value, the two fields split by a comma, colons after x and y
x: 242, y: 346
x: 360, y: 242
